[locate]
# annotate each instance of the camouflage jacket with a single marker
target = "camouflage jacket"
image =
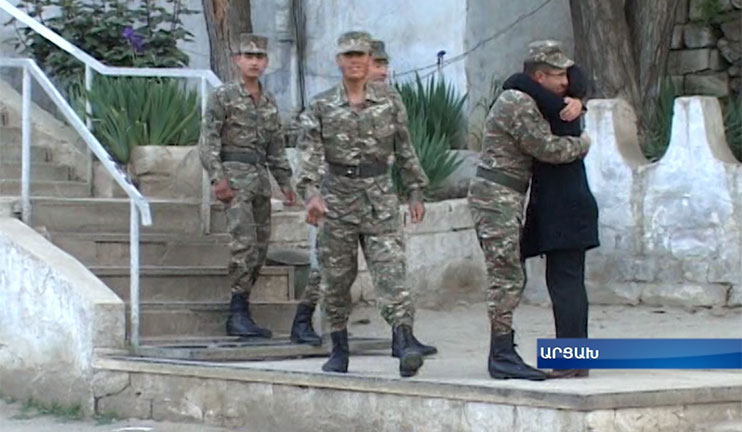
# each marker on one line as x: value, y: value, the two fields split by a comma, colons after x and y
x: 517, y: 132
x: 377, y: 132
x: 233, y: 122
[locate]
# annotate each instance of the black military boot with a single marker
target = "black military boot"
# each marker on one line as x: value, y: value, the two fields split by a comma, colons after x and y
x: 426, y: 350
x: 338, y: 361
x: 505, y: 363
x: 302, y: 331
x: 240, y: 323
x: 410, y: 356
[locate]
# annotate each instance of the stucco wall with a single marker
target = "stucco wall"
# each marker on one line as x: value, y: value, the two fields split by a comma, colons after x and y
x: 55, y: 313
x: 670, y: 231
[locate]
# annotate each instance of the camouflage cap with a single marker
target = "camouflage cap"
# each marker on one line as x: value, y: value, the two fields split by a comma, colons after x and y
x: 357, y: 41
x: 252, y: 44
x: 378, y: 50
x: 549, y: 52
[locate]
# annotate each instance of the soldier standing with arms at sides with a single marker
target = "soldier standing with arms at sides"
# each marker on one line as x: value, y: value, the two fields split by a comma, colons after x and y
x: 359, y: 130
x: 241, y: 138
x: 516, y: 133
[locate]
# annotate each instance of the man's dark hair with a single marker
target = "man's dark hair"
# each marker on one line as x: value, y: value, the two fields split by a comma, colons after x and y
x: 531, y: 67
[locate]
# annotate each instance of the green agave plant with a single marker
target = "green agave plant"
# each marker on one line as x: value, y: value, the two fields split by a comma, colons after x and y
x: 436, y: 124
x: 128, y: 112
x: 441, y: 106
x: 434, y: 154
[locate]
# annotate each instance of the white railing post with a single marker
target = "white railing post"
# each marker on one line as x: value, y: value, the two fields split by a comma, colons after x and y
x: 26, y: 148
x: 205, y: 183
x: 134, y: 275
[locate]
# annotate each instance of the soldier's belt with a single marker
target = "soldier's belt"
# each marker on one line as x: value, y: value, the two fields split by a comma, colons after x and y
x: 503, y: 179
x: 359, y: 171
x: 244, y: 157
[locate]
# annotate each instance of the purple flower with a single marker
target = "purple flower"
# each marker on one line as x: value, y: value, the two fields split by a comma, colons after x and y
x: 135, y: 40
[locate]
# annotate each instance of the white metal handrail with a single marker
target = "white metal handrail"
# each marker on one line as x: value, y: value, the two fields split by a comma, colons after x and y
x: 206, y: 76
x: 139, y: 205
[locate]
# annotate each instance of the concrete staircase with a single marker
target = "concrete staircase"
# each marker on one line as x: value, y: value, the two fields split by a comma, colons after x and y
x: 184, y: 287
x: 49, y: 178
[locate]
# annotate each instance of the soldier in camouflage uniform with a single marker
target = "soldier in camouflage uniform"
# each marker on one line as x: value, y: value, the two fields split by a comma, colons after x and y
x: 358, y: 130
x: 302, y: 331
x: 241, y: 138
x: 379, y: 62
x: 516, y: 134
x: 379, y: 73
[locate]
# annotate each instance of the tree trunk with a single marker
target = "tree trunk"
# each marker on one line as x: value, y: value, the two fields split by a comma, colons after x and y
x: 225, y: 20
x: 602, y: 46
x: 650, y: 24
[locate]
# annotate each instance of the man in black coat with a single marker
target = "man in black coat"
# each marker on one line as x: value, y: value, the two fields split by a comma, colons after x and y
x: 562, y: 214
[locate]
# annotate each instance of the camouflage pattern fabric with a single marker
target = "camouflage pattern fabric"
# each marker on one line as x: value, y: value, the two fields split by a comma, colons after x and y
x: 234, y: 122
x: 515, y: 134
x: 312, y: 291
x: 550, y: 52
x: 360, y: 210
x: 354, y: 41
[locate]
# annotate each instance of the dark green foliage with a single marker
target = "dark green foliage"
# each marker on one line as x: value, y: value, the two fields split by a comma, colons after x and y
x: 659, y: 124
x: 116, y: 32
x: 439, y: 104
x: 128, y: 112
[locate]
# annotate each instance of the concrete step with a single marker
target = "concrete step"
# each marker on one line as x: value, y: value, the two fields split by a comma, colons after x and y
x: 727, y: 426
x: 168, y: 216
x: 112, y: 215
x: 11, y: 152
x: 189, y: 319
x: 444, y: 397
x: 62, y: 189
x: 39, y: 172
x: 112, y: 249
x: 191, y: 283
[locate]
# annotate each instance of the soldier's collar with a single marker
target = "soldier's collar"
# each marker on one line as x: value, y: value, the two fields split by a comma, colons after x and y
x: 243, y: 91
x: 372, y: 94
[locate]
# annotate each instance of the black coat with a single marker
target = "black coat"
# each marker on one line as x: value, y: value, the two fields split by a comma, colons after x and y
x: 562, y: 212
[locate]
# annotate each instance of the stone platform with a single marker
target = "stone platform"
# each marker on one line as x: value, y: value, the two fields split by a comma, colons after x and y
x: 452, y: 392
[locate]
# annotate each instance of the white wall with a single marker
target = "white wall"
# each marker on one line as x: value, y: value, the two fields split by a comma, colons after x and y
x: 414, y: 31
x: 55, y: 313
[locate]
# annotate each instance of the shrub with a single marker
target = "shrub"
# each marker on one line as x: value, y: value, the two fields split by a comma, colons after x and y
x: 128, y: 112
x: 116, y: 32
x: 439, y: 104
x: 434, y: 154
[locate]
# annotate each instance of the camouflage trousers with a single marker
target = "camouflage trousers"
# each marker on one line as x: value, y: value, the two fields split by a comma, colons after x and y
x: 497, y: 212
x: 312, y: 292
x: 249, y: 225
x: 311, y: 295
x: 384, y: 253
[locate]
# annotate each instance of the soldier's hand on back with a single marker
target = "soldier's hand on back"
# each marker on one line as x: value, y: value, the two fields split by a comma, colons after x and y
x: 572, y: 111
x: 315, y: 210
x: 289, y: 196
x: 417, y: 211
x: 223, y: 192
